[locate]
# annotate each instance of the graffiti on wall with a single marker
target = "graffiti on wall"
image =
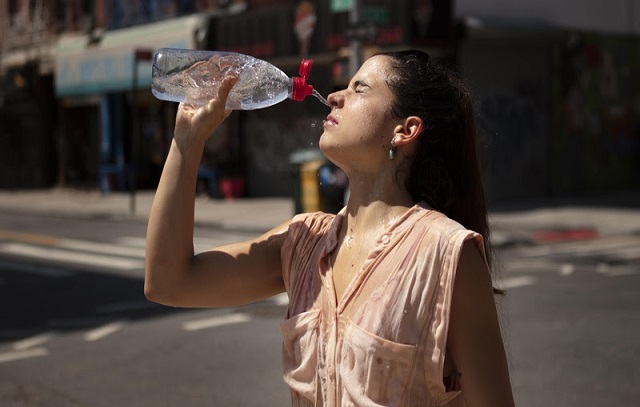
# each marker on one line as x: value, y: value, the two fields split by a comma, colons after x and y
x: 597, y: 112
x: 514, y: 126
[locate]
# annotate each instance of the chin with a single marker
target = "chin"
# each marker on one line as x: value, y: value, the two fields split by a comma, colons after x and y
x: 323, y: 144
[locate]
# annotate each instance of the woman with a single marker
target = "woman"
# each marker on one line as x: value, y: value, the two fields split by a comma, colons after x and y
x: 373, y: 316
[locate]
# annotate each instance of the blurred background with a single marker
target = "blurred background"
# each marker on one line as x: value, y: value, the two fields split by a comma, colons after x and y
x: 83, y: 141
x: 558, y: 85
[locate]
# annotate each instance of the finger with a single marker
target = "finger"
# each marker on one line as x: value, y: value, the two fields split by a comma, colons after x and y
x: 187, y: 107
x: 226, y: 86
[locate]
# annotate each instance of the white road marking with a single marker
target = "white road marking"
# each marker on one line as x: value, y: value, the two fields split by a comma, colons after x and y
x: 105, y: 330
x: 624, y: 245
x: 25, y: 354
x: 217, y: 321
x: 33, y: 341
x: 567, y: 269
x: 101, y: 248
x: 528, y: 265
x: 132, y: 241
x: 281, y: 299
x: 67, y: 256
x: 200, y: 243
x: 515, y: 282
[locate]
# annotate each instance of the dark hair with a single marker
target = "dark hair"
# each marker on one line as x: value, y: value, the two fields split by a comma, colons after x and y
x: 445, y: 170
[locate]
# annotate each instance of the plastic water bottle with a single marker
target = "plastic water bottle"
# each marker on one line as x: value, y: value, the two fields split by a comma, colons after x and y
x: 193, y: 76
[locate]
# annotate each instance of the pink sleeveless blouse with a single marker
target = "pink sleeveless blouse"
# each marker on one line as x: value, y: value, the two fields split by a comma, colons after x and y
x: 383, y: 343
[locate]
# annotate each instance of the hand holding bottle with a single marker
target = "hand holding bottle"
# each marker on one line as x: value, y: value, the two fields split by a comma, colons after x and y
x: 194, y: 124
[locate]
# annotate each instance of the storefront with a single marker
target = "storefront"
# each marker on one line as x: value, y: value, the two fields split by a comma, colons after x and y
x: 94, y: 83
x: 27, y: 127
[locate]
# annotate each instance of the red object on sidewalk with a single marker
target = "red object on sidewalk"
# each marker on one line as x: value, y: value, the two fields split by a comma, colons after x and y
x: 564, y: 235
x: 232, y: 188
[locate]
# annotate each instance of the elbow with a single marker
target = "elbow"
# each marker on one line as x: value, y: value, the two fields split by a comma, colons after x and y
x: 151, y: 293
x: 162, y: 297
x: 158, y: 291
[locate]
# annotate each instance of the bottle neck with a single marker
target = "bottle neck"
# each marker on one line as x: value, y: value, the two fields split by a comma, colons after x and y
x: 299, y: 88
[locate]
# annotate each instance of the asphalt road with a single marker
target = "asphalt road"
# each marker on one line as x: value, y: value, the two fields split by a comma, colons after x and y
x: 76, y: 330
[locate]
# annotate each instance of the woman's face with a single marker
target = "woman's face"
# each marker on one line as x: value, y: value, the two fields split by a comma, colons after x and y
x: 359, y: 129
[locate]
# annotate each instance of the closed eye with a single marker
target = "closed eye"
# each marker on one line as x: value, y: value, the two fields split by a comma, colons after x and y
x: 359, y: 86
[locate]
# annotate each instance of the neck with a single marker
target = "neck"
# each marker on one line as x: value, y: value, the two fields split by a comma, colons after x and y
x: 374, y: 203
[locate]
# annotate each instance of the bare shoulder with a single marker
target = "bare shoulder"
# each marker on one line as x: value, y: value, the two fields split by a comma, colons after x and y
x: 475, y: 341
x: 472, y: 274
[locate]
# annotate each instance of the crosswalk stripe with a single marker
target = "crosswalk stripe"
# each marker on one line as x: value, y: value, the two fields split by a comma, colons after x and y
x: 628, y: 245
x: 515, y: 282
x: 36, y: 340
x: 25, y: 354
x: 281, y: 299
x: 217, y: 321
x: 101, y: 248
x: 566, y: 269
x: 69, y: 256
x: 105, y: 330
x: 131, y: 241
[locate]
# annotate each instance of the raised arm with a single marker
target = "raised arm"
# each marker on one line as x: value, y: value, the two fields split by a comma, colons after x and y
x: 475, y: 341
x: 230, y: 275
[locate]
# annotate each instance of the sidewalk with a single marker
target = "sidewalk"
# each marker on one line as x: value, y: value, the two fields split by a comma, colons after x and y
x: 253, y: 215
x: 543, y: 221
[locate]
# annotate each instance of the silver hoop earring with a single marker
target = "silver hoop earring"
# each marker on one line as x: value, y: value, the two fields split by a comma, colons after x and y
x: 392, y: 150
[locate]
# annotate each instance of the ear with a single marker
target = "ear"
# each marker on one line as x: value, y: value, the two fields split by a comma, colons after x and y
x: 408, y: 131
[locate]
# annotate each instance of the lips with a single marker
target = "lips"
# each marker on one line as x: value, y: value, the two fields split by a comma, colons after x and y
x: 330, y: 120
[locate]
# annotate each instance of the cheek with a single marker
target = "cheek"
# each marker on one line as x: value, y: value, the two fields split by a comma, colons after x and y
x: 372, y: 114
x: 375, y: 124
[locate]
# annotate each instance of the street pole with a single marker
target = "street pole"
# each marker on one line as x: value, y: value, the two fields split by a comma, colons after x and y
x: 133, y: 162
x: 139, y: 55
x: 355, y: 59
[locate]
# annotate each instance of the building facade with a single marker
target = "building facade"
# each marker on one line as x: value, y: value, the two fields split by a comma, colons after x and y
x: 559, y: 84
x: 27, y: 107
x: 557, y: 88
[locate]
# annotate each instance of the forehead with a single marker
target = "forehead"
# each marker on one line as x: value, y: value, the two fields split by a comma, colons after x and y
x: 375, y: 68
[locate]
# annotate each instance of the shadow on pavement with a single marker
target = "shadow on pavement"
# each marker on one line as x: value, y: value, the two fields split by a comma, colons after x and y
x: 67, y: 299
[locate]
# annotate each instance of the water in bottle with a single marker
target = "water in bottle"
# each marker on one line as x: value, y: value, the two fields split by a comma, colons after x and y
x: 193, y: 76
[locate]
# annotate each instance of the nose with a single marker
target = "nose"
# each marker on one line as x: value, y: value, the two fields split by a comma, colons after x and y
x: 335, y: 99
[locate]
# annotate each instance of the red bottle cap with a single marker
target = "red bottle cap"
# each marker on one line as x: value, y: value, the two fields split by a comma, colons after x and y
x: 300, y: 87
